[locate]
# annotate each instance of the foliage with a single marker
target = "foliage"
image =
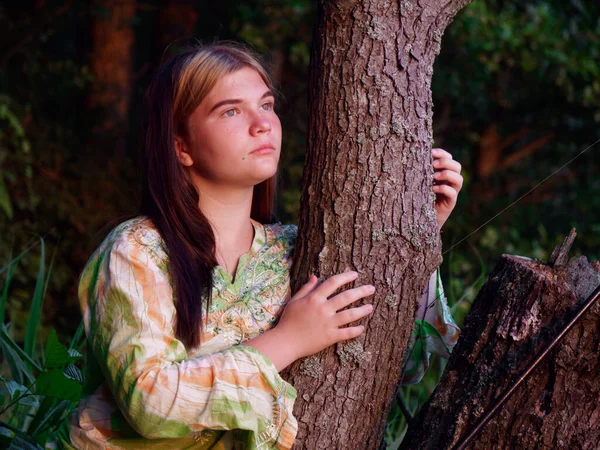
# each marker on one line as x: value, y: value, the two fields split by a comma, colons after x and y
x: 529, y: 71
x: 39, y: 387
x: 49, y: 184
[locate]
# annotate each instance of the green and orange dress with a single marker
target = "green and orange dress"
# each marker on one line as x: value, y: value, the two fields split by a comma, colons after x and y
x: 145, y: 389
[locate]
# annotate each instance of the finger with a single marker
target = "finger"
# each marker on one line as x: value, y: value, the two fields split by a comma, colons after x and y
x: 447, y: 164
x: 343, y: 334
x: 447, y: 192
x: 449, y: 178
x: 440, y: 153
x: 333, y: 283
x: 350, y: 315
x: 349, y: 296
x: 307, y: 287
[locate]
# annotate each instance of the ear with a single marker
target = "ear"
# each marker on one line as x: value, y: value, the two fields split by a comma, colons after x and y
x: 182, y: 151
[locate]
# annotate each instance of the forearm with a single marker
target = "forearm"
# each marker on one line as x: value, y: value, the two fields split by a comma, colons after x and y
x: 273, y: 345
x: 162, y: 400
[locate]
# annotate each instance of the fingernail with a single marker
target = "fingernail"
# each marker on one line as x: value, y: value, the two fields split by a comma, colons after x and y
x: 369, y: 307
x: 371, y: 289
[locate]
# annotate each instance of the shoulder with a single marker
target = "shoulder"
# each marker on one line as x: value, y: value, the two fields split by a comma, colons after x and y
x: 132, y: 252
x: 136, y: 238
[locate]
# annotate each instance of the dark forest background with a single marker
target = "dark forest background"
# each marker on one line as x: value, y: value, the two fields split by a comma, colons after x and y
x: 516, y: 93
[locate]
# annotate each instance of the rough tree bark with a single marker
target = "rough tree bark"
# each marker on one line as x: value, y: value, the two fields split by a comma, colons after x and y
x: 367, y: 203
x: 515, y: 314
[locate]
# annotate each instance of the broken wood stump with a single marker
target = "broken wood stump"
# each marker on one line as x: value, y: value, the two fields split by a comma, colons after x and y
x: 518, y: 311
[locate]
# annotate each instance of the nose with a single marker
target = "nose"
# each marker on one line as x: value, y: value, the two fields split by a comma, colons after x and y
x: 260, y: 125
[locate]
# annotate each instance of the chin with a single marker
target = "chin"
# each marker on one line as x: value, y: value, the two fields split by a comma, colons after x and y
x: 264, y: 178
x: 265, y: 171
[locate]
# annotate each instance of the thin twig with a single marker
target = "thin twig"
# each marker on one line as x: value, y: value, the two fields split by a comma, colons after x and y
x: 523, y: 196
x: 403, y: 408
x: 9, y: 427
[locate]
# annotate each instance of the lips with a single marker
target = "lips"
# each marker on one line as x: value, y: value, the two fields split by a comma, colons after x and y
x: 263, y: 149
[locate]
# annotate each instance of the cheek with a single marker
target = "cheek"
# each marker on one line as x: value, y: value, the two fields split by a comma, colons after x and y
x: 276, y: 126
x: 212, y: 140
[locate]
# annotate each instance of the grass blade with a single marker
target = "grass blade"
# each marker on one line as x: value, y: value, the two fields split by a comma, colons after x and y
x: 41, y: 415
x: 35, y: 313
x: 7, y: 340
x: 76, y: 341
x: 18, y: 369
x: 17, y: 259
x: 5, y: 289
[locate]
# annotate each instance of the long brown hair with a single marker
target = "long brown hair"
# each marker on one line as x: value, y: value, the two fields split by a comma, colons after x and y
x: 168, y: 197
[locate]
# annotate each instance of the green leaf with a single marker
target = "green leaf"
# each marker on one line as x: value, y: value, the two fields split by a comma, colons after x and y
x: 6, y: 436
x: 29, y: 400
x: 35, y: 312
x: 41, y: 415
x: 49, y: 416
x: 62, y: 432
x: 73, y: 372
x: 56, y: 354
x: 13, y: 388
x: 18, y: 370
x: 77, y: 337
x: 23, y: 442
x: 41, y: 438
x: 55, y: 384
x: 16, y: 390
x: 22, y: 356
x: 74, y: 355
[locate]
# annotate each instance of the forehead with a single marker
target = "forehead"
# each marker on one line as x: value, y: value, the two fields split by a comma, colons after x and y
x: 242, y: 83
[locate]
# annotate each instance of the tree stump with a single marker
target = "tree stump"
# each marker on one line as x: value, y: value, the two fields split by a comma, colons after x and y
x: 517, y: 312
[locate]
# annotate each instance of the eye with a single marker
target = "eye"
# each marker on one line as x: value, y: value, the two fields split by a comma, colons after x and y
x: 229, y: 113
x: 267, y: 106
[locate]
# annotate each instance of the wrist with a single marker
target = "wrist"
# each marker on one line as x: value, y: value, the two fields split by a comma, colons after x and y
x: 441, y: 222
x: 275, y: 345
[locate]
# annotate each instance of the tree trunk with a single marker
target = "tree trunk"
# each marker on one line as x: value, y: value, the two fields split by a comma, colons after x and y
x: 517, y: 312
x: 367, y: 203
x: 111, y: 62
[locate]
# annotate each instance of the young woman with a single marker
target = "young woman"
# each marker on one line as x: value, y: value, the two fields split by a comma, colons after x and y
x: 180, y: 304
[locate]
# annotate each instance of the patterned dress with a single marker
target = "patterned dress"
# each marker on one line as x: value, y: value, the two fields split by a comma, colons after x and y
x: 144, y: 388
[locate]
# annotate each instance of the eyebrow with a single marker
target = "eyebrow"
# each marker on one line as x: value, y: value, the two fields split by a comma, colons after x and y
x: 235, y: 101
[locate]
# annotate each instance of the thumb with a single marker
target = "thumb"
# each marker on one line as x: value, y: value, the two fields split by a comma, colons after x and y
x: 307, y: 287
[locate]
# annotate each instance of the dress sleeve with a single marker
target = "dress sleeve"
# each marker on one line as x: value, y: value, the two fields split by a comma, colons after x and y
x: 435, y: 331
x: 129, y: 312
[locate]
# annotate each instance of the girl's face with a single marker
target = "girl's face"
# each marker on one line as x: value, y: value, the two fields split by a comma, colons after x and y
x: 234, y: 135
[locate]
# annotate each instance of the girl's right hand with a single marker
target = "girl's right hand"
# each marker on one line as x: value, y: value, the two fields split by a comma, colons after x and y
x: 310, y: 321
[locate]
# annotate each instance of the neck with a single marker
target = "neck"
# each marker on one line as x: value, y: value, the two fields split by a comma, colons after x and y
x: 228, y: 210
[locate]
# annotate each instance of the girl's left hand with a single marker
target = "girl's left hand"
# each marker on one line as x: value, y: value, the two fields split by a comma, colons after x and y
x: 447, y: 183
